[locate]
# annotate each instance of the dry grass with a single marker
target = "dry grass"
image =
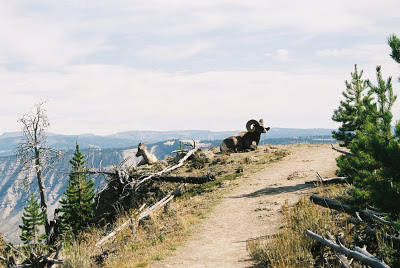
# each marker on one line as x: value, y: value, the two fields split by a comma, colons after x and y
x: 291, y: 247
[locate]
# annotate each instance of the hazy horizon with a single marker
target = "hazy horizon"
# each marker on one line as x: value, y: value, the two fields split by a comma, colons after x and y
x: 154, y: 130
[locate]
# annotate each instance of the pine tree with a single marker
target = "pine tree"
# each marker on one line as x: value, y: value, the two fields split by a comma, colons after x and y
x: 78, y: 200
x: 32, y: 218
x: 349, y: 111
x: 394, y: 43
x: 373, y: 170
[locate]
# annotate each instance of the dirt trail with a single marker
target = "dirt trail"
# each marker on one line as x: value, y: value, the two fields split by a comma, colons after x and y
x: 252, y: 209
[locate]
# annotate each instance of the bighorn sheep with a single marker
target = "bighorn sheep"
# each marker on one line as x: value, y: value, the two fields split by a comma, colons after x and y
x: 246, y: 140
x: 147, y: 158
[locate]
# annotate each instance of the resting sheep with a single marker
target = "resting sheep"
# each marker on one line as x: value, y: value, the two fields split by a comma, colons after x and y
x: 147, y: 158
x: 246, y: 140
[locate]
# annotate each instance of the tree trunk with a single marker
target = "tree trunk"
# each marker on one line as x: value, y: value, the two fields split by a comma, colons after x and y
x: 42, y: 190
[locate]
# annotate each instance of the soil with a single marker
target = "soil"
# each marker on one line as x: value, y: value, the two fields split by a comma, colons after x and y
x: 252, y: 209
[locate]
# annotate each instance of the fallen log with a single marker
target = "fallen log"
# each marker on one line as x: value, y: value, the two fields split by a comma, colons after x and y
x: 359, y: 254
x: 336, y: 205
x: 372, y: 233
x: 327, y: 180
x: 371, y: 215
x: 112, y: 234
x: 193, y: 180
x: 332, y: 204
x: 167, y: 169
x: 343, y: 152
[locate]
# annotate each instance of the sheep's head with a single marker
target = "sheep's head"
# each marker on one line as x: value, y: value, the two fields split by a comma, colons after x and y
x: 256, y: 126
x: 141, y: 148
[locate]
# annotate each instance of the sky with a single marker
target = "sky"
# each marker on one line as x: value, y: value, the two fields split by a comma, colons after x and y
x: 110, y: 66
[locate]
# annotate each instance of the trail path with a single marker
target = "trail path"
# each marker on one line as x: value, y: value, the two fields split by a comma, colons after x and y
x: 252, y: 209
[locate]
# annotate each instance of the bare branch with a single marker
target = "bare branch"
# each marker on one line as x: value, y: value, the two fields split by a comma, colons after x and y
x: 341, y: 151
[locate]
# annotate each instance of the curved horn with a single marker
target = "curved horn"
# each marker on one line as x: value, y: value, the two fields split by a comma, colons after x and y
x: 250, y: 123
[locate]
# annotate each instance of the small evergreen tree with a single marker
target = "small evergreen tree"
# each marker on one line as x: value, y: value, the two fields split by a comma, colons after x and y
x: 350, y: 109
x: 373, y: 169
x: 78, y: 200
x: 32, y: 218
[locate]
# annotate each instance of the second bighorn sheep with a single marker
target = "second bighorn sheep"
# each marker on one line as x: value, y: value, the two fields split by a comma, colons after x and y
x: 147, y: 158
x: 246, y: 140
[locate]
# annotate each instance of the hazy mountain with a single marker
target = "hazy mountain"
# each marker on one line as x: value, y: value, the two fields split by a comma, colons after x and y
x: 9, y: 140
x: 104, y: 153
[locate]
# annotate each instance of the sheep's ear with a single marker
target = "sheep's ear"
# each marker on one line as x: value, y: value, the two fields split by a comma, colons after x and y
x: 261, y: 121
x: 267, y: 128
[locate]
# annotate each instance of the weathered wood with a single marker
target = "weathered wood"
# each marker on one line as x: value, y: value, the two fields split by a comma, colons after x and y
x: 371, y: 214
x: 342, y: 258
x: 370, y: 232
x: 327, y: 180
x: 52, y: 261
x: 112, y: 234
x: 156, y: 206
x: 361, y: 256
x: 332, y: 204
x: 343, y: 152
x: 336, y: 205
x: 193, y: 180
x: 181, y: 179
x: 167, y: 169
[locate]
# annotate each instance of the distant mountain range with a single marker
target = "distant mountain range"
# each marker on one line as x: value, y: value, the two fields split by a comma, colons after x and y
x: 105, y: 152
x: 9, y: 140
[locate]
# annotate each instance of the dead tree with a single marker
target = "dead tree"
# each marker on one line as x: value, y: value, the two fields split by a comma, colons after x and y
x: 127, y: 190
x: 34, y: 155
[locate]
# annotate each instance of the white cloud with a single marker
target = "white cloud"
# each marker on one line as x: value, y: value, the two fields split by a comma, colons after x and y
x: 51, y: 33
x: 175, y: 52
x: 281, y: 55
x: 105, y: 99
x: 368, y: 51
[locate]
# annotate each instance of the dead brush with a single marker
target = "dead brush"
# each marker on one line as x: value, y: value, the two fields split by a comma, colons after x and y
x: 77, y: 254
